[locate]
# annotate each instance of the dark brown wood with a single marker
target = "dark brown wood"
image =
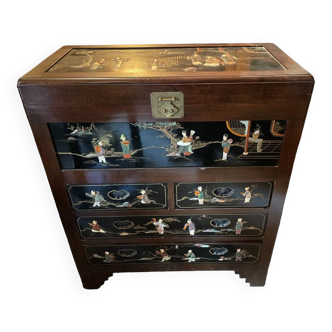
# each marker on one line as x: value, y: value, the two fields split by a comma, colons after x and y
x: 49, y: 103
x: 77, y: 97
x: 169, y: 175
x: 137, y: 95
x: 294, y: 71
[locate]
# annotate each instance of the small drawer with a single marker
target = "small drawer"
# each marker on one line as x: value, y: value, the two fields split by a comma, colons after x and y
x: 170, y: 226
x: 118, y: 196
x: 222, y: 195
x: 173, y: 253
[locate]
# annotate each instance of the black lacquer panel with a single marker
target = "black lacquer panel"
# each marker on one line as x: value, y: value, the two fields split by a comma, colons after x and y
x: 168, y: 226
x: 222, y: 195
x: 167, y: 144
x: 118, y: 196
x: 172, y: 253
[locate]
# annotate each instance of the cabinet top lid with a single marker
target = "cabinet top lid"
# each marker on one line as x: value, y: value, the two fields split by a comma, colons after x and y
x: 147, y: 64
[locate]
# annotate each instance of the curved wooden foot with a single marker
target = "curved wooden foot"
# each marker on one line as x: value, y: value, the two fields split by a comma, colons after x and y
x: 95, y: 281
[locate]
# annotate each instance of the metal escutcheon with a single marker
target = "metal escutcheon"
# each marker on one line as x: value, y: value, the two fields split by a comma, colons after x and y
x: 167, y: 105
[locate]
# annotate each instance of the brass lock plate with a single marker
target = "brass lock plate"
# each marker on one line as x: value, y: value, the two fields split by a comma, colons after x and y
x: 167, y: 105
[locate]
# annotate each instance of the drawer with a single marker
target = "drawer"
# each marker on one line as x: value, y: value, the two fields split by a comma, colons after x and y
x: 169, y: 226
x: 222, y: 195
x: 167, y: 144
x: 118, y: 196
x: 172, y: 253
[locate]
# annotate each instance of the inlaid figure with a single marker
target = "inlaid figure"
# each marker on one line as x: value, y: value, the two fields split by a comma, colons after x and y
x: 238, y: 255
x: 191, y: 257
x: 97, y: 64
x: 239, y: 226
x: 119, y: 61
x: 144, y: 197
x: 226, y: 145
x: 95, y: 227
x: 200, y: 195
x: 191, y: 227
x: 96, y: 196
x: 255, y: 138
x: 247, y: 195
x: 228, y: 59
x: 211, y: 61
x: 160, y: 226
x: 164, y: 255
x: 154, y: 65
x: 100, y: 151
x: 125, y: 147
x: 185, y: 143
x: 195, y: 59
x: 108, y: 257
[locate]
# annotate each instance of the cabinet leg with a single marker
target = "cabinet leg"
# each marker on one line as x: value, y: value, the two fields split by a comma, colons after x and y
x: 254, y: 278
x: 95, y: 281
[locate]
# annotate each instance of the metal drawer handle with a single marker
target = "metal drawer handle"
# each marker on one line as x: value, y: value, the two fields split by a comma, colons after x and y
x: 167, y: 98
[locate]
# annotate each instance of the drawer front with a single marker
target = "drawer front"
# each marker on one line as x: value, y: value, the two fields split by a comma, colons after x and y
x: 168, y: 226
x: 167, y: 144
x: 222, y: 195
x: 172, y: 253
x: 118, y: 196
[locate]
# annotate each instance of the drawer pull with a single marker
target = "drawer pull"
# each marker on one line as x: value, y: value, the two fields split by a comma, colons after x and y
x: 167, y: 99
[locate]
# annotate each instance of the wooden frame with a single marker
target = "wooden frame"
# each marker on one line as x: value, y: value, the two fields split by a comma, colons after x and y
x: 294, y: 71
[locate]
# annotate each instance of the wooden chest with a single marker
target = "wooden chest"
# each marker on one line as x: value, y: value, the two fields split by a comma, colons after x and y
x: 168, y: 157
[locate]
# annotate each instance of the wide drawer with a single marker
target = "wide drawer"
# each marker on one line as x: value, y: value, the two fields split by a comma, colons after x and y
x: 173, y: 253
x: 167, y: 144
x: 169, y: 226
